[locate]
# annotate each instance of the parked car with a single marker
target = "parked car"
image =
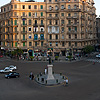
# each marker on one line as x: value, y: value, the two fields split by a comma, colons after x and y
x: 11, y: 67
x: 98, y: 56
x: 12, y: 75
x: 6, y: 70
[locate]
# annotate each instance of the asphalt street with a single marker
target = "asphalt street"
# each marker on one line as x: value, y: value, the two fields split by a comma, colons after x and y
x: 84, y: 81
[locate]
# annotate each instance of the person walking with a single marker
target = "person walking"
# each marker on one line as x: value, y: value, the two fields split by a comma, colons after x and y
x: 45, y: 71
x: 31, y: 76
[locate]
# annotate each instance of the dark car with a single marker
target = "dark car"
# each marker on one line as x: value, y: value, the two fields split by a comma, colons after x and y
x: 12, y: 75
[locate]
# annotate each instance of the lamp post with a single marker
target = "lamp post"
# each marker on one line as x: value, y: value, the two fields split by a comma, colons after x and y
x: 72, y: 49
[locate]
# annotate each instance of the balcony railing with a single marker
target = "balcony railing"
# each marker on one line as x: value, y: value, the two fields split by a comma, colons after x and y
x: 24, y: 32
x: 35, y: 25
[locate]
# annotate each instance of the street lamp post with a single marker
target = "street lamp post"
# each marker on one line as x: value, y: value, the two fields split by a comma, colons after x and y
x: 72, y: 50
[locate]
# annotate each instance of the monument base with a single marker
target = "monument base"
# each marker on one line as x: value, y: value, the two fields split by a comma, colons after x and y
x: 50, y: 75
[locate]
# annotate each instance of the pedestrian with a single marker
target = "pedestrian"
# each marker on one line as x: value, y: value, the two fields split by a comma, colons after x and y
x: 93, y: 63
x: 65, y: 82
x: 45, y: 71
x: 31, y: 76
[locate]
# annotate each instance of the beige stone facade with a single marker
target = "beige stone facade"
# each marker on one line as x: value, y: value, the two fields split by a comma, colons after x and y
x: 54, y: 25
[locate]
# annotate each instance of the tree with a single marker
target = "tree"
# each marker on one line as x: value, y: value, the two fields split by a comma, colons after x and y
x: 88, y: 49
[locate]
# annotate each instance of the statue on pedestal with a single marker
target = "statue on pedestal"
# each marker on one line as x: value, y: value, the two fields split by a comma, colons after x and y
x: 49, y: 60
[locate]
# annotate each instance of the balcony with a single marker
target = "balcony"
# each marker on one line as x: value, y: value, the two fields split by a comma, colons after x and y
x: 82, y: 17
x: 41, y: 25
x: 75, y: 24
x: 41, y: 32
x: 23, y: 40
x: 15, y: 40
x: 69, y: 32
x: 69, y: 17
x: 82, y: 25
x: 82, y: 32
x: 75, y: 17
x: 24, y: 32
x: 68, y: 25
x: 14, y: 17
x: 23, y: 25
x: 24, y: 16
x: 35, y: 31
x: 35, y: 25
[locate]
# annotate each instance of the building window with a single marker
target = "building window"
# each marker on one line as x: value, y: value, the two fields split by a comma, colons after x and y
x: 75, y: 6
x: 29, y: 29
x: 49, y: 0
x: 55, y: 0
x: 41, y: 13
x: 23, y: 22
x: 56, y: 15
x: 69, y: 14
x: 35, y: 6
x: 75, y: 36
x: 56, y: 22
x: 50, y: 22
x: 75, y: 29
x: 23, y: 29
x: 42, y: 36
x: 56, y: 7
x: 23, y: 44
x: 69, y: 21
x: 56, y: 37
x: 30, y: 43
x: 35, y: 43
x: 29, y: 21
x: 62, y: 29
x: 62, y: 14
x: 15, y: 44
x: 15, y: 37
x: 29, y: 13
x: 62, y: 7
x: 62, y: 36
x: 15, y: 6
x: 23, y: 36
x: 11, y: 6
x: 63, y: 44
x: 69, y: 7
x: 23, y: 13
x: 50, y: 37
x: 69, y: 29
x: 69, y: 43
x: 15, y: 22
x: 41, y: 22
x: 69, y: 36
x: 50, y: 44
x: 30, y: 36
x: 35, y: 14
x: 15, y: 29
x: 50, y: 15
x: 75, y: 44
x: 35, y: 37
x: 23, y: 6
x: 50, y: 8
x: 35, y: 22
x: 41, y: 6
x: 56, y: 43
x: 12, y: 44
x: 42, y: 43
x: 29, y: 7
x: 62, y: 22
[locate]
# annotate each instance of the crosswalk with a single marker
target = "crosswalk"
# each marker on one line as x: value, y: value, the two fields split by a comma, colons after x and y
x: 93, y: 60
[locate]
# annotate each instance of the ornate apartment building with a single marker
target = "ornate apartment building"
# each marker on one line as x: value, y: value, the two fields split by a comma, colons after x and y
x: 55, y: 26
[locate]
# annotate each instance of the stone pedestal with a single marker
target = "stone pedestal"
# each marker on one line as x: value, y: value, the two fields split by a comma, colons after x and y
x: 50, y: 75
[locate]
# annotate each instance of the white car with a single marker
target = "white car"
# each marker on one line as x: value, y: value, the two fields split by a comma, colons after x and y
x: 98, y: 56
x: 6, y: 70
x: 12, y: 67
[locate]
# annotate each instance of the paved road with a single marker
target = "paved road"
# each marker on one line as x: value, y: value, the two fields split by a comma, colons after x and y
x: 84, y: 82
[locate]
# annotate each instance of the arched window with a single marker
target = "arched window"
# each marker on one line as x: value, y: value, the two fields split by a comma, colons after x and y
x: 69, y: 6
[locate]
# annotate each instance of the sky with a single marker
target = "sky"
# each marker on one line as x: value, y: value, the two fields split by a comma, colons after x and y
x: 97, y: 4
